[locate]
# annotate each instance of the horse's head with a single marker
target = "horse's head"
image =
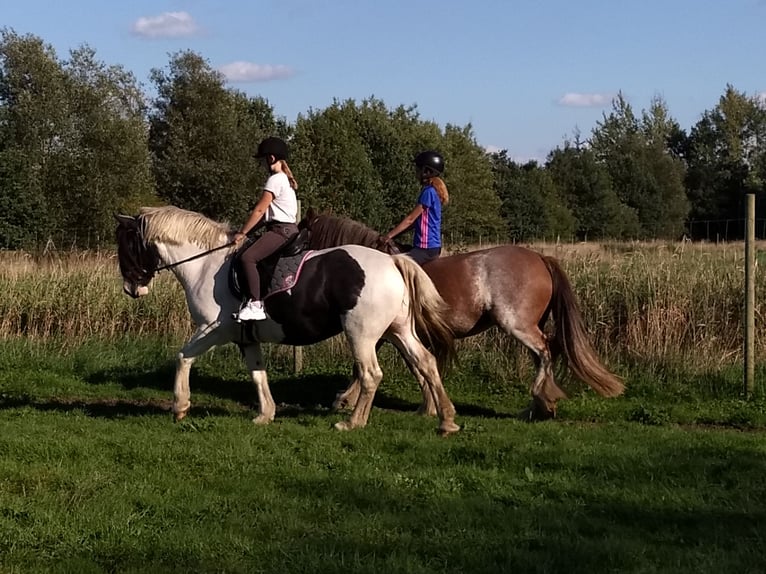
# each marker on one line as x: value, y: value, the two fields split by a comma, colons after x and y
x: 308, y: 219
x: 138, y: 260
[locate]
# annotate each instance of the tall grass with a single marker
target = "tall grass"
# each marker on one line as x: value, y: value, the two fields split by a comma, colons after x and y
x: 76, y: 295
x: 661, y: 303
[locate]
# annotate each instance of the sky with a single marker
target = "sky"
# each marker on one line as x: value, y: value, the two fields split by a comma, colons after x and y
x: 526, y: 74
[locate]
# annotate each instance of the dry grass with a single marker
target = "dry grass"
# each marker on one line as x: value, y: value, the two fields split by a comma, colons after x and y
x: 656, y: 301
x: 75, y: 295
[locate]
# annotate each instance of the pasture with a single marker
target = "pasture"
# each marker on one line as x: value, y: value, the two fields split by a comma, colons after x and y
x: 95, y: 476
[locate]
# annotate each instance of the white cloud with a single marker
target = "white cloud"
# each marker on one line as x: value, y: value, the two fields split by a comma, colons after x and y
x: 574, y: 99
x: 761, y: 97
x: 166, y: 25
x: 250, y: 72
x: 493, y: 149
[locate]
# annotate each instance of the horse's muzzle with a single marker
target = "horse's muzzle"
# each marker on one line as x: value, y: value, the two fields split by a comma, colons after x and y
x: 134, y: 290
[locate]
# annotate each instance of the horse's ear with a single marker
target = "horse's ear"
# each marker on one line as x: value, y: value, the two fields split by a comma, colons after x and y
x: 311, y: 214
x: 126, y: 219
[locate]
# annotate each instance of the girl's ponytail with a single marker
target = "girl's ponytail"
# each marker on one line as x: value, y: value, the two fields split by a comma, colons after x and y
x: 290, y: 177
x: 441, y: 189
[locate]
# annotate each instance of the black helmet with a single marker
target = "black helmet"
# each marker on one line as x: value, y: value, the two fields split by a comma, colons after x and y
x: 272, y: 146
x: 432, y: 160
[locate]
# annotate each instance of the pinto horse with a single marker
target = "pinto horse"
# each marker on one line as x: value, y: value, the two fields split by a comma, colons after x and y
x: 366, y: 294
x: 511, y: 287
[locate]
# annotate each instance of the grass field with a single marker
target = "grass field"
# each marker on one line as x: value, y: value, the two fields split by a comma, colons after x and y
x: 95, y: 476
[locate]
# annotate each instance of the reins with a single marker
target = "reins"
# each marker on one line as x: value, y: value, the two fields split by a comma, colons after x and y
x: 193, y: 257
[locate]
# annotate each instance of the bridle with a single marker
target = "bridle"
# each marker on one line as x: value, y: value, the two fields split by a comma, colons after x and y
x: 139, y: 262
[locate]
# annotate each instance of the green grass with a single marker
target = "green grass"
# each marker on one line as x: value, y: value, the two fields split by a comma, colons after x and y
x: 95, y: 476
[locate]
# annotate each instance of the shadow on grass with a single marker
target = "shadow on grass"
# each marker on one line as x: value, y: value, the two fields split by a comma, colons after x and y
x: 296, y: 395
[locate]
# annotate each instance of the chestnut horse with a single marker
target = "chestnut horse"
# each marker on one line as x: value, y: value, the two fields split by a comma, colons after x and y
x: 511, y: 287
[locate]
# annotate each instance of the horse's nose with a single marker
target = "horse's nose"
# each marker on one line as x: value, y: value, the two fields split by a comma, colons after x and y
x: 134, y: 290
x: 127, y: 288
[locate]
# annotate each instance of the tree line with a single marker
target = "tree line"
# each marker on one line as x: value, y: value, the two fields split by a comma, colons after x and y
x: 80, y: 139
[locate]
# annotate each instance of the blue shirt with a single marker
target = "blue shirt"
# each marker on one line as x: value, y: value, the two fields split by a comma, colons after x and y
x: 428, y: 225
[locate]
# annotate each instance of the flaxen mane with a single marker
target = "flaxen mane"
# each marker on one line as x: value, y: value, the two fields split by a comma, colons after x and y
x: 175, y: 226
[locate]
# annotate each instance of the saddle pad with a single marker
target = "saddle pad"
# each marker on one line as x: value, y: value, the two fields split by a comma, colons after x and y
x: 286, y: 273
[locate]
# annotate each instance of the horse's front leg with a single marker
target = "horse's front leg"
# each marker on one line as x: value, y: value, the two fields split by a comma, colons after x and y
x: 202, y: 341
x: 254, y: 360
x: 181, y: 392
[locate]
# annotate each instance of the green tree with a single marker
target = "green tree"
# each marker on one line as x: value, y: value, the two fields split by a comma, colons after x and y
x: 532, y: 205
x: 645, y: 175
x: 32, y: 97
x: 103, y: 160
x: 587, y: 188
x: 339, y: 174
x: 357, y: 160
x: 202, y: 138
x: 726, y: 157
x: 474, y: 209
x: 72, y: 143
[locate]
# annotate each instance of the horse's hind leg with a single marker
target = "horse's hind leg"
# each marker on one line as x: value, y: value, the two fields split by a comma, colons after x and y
x: 423, y: 365
x: 368, y: 375
x: 427, y: 407
x: 254, y: 359
x: 348, y: 398
x: 545, y: 392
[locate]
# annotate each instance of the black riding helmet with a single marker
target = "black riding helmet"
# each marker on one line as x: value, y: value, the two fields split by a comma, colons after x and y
x: 432, y: 160
x: 272, y: 146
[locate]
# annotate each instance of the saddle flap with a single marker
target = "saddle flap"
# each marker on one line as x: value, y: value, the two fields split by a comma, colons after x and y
x: 278, y: 273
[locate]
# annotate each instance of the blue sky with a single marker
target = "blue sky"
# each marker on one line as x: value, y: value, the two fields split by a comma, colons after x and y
x: 524, y: 73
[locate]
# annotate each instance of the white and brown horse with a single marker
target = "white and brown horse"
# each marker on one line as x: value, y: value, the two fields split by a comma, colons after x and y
x: 511, y: 287
x: 366, y: 294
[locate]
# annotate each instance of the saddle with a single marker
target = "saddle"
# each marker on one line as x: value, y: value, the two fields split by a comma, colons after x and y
x: 279, y: 272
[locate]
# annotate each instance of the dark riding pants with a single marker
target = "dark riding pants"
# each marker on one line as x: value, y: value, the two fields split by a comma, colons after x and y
x: 276, y: 235
x: 423, y: 256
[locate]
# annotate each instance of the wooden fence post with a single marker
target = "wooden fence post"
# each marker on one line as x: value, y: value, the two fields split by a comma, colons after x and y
x: 750, y: 297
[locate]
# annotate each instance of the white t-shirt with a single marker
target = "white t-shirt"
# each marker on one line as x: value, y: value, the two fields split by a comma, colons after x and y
x: 284, y: 206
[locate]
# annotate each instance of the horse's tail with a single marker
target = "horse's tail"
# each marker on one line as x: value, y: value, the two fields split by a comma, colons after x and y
x: 572, y: 338
x: 428, y: 309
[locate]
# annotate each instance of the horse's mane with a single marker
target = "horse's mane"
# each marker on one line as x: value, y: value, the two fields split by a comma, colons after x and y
x: 175, y: 226
x: 329, y: 230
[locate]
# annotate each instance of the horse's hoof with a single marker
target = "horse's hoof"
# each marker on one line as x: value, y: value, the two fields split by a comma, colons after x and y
x: 261, y: 420
x: 343, y: 426
x: 426, y: 411
x: 537, y: 413
x: 181, y: 415
x: 446, y: 429
x: 525, y: 415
